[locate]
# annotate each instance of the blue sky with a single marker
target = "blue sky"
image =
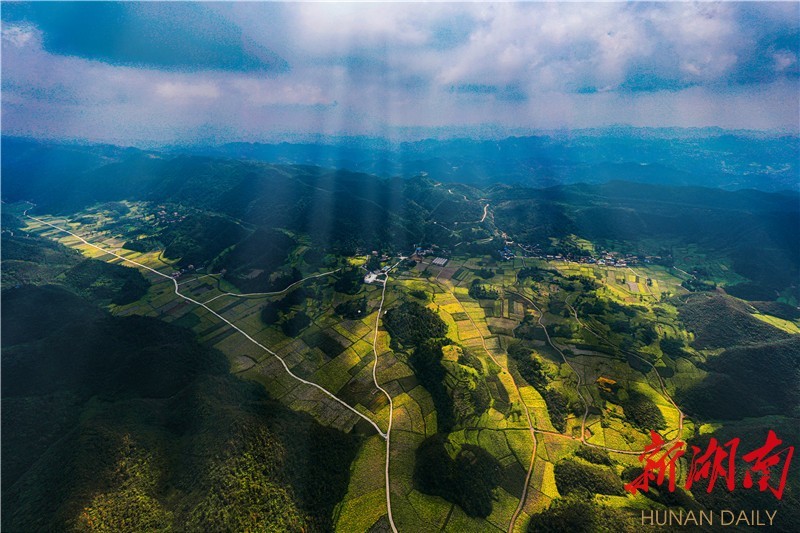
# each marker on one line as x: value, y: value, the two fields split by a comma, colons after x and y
x: 143, y: 73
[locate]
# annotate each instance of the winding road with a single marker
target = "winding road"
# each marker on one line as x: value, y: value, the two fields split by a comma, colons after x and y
x: 385, y: 436
x: 231, y: 324
x: 388, y: 397
x: 261, y: 294
x: 485, y: 212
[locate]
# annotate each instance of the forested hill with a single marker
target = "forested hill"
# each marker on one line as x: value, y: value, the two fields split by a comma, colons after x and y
x: 128, y: 424
x: 333, y: 207
x: 755, y: 232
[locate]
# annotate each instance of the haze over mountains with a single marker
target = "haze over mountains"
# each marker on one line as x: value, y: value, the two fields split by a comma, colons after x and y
x: 538, y: 187
x: 708, y: 157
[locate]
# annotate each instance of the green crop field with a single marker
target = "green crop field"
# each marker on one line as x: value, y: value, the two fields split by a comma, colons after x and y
x: 564, y: 356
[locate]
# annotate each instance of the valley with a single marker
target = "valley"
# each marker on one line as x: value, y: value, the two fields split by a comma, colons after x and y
x: 399, y: 267
x: 534, y: 358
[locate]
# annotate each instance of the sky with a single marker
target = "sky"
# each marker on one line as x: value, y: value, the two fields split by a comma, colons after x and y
x: 150, y: 72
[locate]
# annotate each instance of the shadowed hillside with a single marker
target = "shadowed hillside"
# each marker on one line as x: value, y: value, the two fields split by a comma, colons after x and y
x: 129, y: 424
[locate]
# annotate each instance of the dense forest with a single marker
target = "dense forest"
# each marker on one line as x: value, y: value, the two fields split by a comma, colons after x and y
x: 426, y: 360
x: 411, y: 324
x: 579, y: 514
x: 573, y: 476
x: 101, y: 281
x: 756, y: 372
x: 252, y: 263
x: 352, y: 309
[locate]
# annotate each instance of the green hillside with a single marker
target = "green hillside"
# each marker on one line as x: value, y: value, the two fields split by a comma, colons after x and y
x: 129, y: 424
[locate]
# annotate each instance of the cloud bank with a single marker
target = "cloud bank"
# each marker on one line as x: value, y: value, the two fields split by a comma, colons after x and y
x: 212, y: 72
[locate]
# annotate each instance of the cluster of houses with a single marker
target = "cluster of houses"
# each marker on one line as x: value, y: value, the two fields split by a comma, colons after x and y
x: 165, y: 217
x: 605, y: 258
x: 420, y: 252
x: 506, y: 253
x: 178, y: 273
x: 374, y: 276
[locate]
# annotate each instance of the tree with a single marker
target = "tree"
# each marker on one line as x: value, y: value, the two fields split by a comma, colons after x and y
x: 297, y: 323
x: 352, y: 309
x: 269, y: 314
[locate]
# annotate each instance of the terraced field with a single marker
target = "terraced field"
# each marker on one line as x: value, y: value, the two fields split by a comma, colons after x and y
x: 350, y: 373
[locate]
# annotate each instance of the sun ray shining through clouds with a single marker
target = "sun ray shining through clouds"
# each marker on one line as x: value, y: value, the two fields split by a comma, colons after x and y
x: 183, y: 72
x: 399, y: 266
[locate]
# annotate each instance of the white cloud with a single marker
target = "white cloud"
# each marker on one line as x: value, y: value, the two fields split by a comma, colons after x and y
x: 187, y: 90
x: 410, y: 65
x: 784, y: 60
x: 20, y: 35
x: 262, y: 92
x: 338, y: 27
x: 551, y: 46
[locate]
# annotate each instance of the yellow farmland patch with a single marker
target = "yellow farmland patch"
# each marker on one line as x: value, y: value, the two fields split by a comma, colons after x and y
x: 520, y: 444
x: 780, y: 323
x: 346, y: 333
x: 360, y: 513
x: 503, y: 508
x: 548, y: 478
x: 467, y: 331
x: 451, y: 308
x: 432, y: 510
x: 408, y: 415
x: 451, y: 352
x: 334, y: 375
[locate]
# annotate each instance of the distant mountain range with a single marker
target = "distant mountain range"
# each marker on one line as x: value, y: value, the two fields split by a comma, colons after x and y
x: 711, y: 158
x: 708, y: 157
